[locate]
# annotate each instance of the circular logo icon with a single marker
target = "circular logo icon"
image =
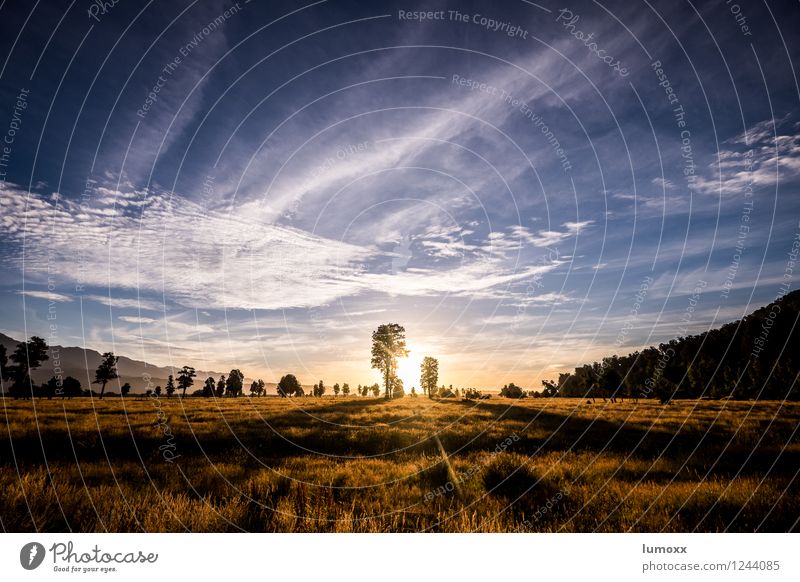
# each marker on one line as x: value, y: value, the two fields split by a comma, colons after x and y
x: 31, y: 555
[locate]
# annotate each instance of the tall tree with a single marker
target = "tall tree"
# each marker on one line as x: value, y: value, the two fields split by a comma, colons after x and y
x: 319, y: 389
x: 158, y: 391
x: 234, y: 383
x: 3, y: 363
x: 107, y: 370
x: 26, y: 357
x: 388, y: 344
x: 345, y: 389
x: 289, y: 386
x: 221, y: 386
x: 429, y: 375
x: 170, y: 386
x: 185, y: 379
x: 336, y: 389
x: 209, y: 386
x: 70, y: 387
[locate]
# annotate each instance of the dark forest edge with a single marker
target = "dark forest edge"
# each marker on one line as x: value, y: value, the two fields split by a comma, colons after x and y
x: 755, y: 358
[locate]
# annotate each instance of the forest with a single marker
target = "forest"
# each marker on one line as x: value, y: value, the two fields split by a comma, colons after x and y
x: 756, y: 357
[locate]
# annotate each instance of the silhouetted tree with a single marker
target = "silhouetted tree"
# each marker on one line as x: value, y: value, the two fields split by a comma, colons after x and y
x: 550, y: 388
x: 234, y: 385
x: 336, y: 390
x: 511, y: 390
x: 185, y: 379
x: 70, y: 387
x: 3, y: 364
x: 345, y: 389
x: 429, y: 376
x: 289, y: 386
x: 209, y: 386
x: 376, y: 390
x: 221, y: 386
x: 106, y: 371
x: 125, y: 389
x: 388, y: 344
x: 26, y: 357
x: 319, y: 389
x: 158, y: 391
x: 170, y: 386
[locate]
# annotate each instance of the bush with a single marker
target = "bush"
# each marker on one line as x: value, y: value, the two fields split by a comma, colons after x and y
x: 512, y: 391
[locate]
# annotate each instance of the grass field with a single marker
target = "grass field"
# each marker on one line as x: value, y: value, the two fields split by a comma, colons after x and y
x: 369, y: 465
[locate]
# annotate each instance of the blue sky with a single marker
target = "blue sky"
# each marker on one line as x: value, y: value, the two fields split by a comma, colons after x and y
x: 524, y: 186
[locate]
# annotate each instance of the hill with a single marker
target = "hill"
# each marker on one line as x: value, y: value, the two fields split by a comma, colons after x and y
x: 756, y: 357
x: 81, y: 363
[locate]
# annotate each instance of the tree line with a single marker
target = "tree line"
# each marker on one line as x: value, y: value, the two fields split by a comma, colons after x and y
x: 757, y: 357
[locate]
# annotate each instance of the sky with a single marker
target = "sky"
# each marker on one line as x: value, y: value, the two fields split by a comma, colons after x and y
x: 523, y: 186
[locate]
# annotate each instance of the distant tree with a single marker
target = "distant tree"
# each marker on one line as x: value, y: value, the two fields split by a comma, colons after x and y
x: 209, y: 386
x: 3, y: 363
x: 511, y: 391
x: 336, y: 390
x: 51, y: 388
x: 397, y: 388
x: 550, y: 388
x: 254, y: 388
x: 345, y: 389
x: 158, y: 391
x: 26, y: 357
x: 70, y: 387
x: 221, y: 386
x: 429, y: 375
x: 413, y: 392
x: 235, y: 383
x: 149, y: 392
x: 185, y: 379
x: 319, y: 389
x: 170, y: 386
x: 609, y: 382
x: 106, y: 371
x: 125, y: 389
x: 359, y: 390
x: 376, y: 390
x: 388, y: 344
x: 289, y: 386
x: 472, y: 394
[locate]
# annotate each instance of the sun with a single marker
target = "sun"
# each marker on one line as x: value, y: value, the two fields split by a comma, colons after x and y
x: 408, y: 369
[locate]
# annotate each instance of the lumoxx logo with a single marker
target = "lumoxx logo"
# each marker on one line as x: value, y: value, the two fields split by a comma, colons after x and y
x: 66, y: 558
x: 31, y: 555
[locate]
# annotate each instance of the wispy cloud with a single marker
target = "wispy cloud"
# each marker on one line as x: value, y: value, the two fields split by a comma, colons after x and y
x: 47, y: 295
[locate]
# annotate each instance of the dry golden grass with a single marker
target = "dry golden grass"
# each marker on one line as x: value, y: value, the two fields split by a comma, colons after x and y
x: 367, y: 465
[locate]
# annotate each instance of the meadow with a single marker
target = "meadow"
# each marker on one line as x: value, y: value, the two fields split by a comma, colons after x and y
x: 370, y: 465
